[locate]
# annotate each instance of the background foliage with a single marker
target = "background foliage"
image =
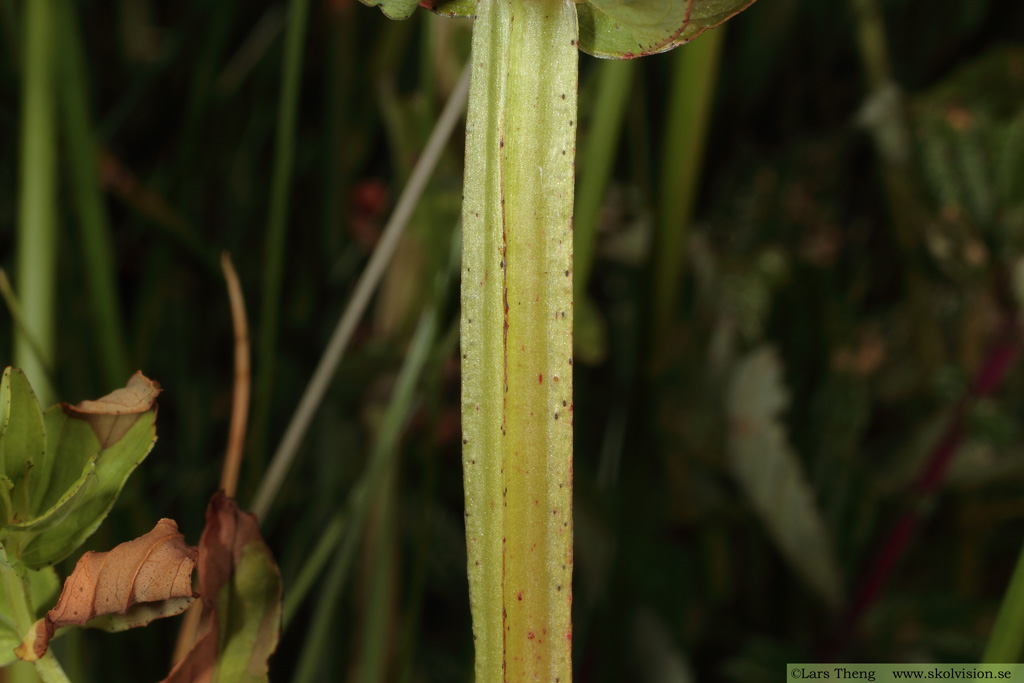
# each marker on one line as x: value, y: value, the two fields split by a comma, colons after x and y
x: 854, y: 265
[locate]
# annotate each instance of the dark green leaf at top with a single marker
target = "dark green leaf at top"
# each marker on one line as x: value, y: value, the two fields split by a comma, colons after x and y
x: 624, y: 29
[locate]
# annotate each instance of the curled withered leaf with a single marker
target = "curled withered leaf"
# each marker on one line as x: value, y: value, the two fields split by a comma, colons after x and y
x: 131, y: 585
x: 241, y: 589
x: 113, y: 415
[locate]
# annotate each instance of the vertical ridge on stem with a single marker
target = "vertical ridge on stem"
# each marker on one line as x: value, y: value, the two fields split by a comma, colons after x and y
x: 482, y: 333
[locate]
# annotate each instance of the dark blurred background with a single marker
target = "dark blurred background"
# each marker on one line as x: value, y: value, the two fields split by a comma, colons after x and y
x: 797, y: 324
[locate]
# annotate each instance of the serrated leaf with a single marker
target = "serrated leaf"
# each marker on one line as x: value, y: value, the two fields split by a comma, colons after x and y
x: 624, y: 29
x: 770, y: 473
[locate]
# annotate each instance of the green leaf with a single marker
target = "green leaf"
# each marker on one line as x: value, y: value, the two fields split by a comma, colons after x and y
x: 403, y: 9
x: 71, y: 443
x: 770, y: 473
x: 624, y: 29
x: 241, y: 590
x: 75, y: 516
x: 451, y: 8
x: 43, y: 587
x: 250, y: 609
x: 394, y: 9
x: 86, y: 455
x: 22, y: 441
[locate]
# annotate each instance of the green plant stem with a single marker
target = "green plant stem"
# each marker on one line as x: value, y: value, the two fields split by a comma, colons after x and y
x: 37, y: 221
x: 17, y: 596
x: 97, y: 245
x: 516, y: 332
x: 1006, y: 642
x: 691, y: 100
x: 277, y: 222
x: 368, y: 281
x: 49, y: 669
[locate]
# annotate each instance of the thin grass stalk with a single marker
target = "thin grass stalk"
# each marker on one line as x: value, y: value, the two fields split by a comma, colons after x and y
x: 36, y: 278
x: 312, y: 660
x: 300, y: 588
x: 365, y: 492
x: 368, y: 281
x: 691, y: 100
x: 277, y: 222
x: 94, y: 226
x: 242, y: 381
x: 380, y: 566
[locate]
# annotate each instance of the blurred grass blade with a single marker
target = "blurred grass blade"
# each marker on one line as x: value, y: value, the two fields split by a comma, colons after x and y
x: 277, y: 223
x: 83, y: 161
x: 368, y: 281
x: 36, y: 277
x: 365, y: 493
x: 14, y: 308
x: 614, y: 81
x: 770, y: 473
x: 299, y: 589
x: 691, y: 100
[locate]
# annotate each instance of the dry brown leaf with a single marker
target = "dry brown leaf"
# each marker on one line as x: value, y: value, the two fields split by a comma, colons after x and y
x: 138, y: 581
x: 113, y: 415
x: 230, y: 534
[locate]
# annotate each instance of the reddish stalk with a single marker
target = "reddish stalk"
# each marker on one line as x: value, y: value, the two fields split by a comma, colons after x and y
x: 236, y: 432
x: 1001, y: 357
